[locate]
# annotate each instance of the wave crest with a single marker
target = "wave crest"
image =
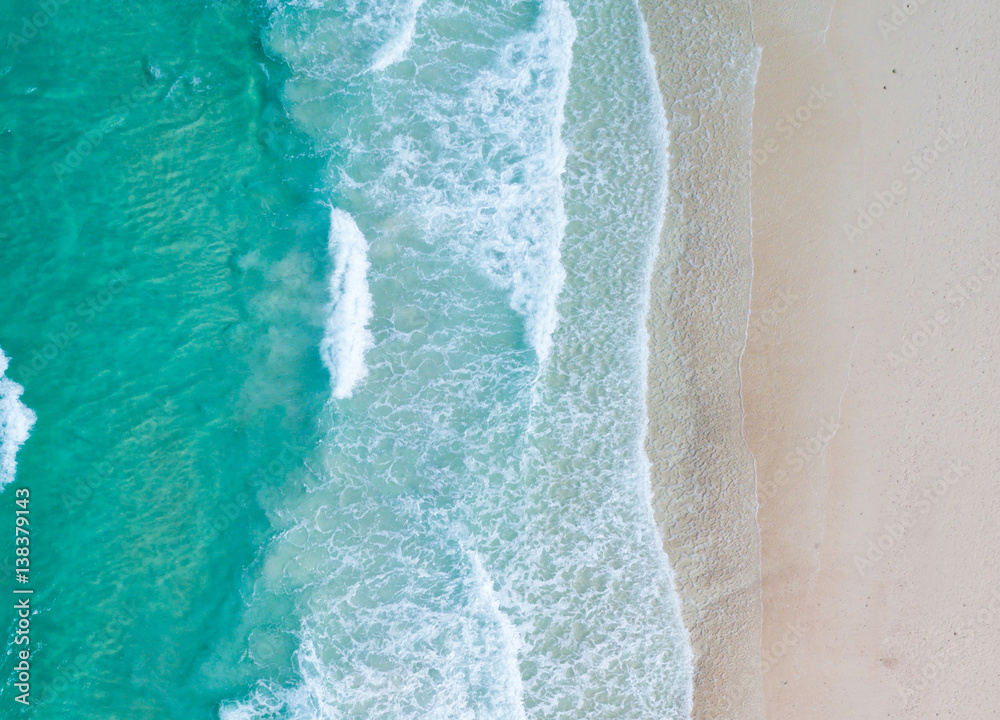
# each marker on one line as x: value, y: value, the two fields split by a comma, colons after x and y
x: 347, y: 337
x: 16, y: 421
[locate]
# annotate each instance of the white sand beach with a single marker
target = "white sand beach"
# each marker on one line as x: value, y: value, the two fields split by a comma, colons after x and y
x: 866, y: 390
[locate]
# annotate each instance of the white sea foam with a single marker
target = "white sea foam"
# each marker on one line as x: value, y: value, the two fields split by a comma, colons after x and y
x: 507, y: 671
x: 347, y: 337
x: 395, y: 50
x: 471, y: 155
x: 401, y: 638
x: 538, y: 285
x: 16, y: 421
x: 460, y: 554
x: 525, y: 222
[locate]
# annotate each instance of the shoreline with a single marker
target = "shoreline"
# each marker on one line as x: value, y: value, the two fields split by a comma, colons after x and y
x: 701, y: 471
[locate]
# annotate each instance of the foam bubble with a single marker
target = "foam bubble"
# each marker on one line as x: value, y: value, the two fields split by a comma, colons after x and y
x: 347, y: 337
x: 16, y: 421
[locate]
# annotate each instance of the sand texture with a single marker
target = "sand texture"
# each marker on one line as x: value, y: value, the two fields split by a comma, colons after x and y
x: 863, y: 384
x: 703, y: 480
x: 869, y: 379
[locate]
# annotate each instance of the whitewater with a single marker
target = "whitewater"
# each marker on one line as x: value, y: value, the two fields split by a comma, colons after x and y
x: 16, y: 421
x: 475, y: 538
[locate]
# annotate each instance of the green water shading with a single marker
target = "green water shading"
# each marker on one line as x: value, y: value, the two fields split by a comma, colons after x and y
x: 162, y: 265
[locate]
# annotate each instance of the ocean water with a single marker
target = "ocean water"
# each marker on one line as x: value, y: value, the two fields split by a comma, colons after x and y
x: 329, y: 319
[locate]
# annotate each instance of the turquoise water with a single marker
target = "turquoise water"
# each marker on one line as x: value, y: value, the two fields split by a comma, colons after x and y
x: 329, y: 317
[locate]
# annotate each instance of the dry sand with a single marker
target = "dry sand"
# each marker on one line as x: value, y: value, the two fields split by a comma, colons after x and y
x: 869, y: 382
x: 870, y: 376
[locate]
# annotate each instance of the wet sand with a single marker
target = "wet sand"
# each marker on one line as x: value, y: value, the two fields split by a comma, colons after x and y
x: 702, y: 471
